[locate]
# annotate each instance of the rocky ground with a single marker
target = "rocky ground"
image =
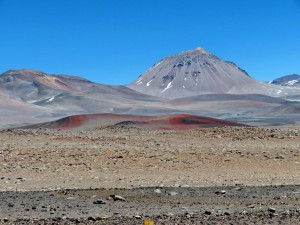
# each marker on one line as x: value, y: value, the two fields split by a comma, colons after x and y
x: 230, y: 175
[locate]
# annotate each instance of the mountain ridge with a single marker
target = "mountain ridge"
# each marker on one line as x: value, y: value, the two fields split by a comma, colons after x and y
x: 35, y: 96
x: 292, y: 80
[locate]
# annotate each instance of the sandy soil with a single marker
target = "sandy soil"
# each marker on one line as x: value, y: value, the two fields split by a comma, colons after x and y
x: 202, y: 175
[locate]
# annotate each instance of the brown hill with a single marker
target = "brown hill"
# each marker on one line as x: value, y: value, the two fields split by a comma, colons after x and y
x: 163, y: 122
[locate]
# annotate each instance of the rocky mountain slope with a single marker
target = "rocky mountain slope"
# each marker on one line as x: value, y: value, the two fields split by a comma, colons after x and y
x: 198, y: 72
x: 32, y: 96
x: 35, y: 85
x: 292, y: 80
x: 181, y: 86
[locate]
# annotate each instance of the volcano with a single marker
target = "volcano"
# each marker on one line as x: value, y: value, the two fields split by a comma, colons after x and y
x: 198, y: 72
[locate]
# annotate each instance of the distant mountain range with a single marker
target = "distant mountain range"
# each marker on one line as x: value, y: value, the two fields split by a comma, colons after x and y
x: 292, y: 80
x: 194, y: 82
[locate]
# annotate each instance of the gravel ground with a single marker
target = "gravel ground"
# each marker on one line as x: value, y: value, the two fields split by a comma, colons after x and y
x: 210, y: 176
x: 238, y: 204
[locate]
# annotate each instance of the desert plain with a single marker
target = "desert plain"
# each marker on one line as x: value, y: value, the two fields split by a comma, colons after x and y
x: 217, y: 175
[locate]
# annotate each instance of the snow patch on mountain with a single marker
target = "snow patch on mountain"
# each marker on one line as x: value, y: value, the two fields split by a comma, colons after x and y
x: 168, y: 87
x: 292, y: 82
x: 51, y: 99
x: 149, y: 83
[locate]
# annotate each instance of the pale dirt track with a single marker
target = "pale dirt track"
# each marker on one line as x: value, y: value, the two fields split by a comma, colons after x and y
x: 124, y: 157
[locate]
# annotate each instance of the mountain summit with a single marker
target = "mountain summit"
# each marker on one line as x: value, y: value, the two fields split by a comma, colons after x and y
x: 195, y: 72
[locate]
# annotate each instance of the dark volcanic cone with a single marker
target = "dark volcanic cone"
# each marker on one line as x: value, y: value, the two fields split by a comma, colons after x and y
x: 197, y: 72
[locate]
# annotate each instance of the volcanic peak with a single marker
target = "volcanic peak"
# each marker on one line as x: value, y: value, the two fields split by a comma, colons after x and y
x: 193, y: 72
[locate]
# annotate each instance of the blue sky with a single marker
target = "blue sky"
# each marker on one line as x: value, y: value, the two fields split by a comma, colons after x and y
x: 114, y: 41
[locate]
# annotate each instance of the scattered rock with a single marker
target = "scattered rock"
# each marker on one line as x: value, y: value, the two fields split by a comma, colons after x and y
x: 91, y: 218
x: 105, y: 217
x: 251, y: 206
x: 99, y: 202
x: 207, y: 212
x: 117, y: 198
x: 157, y: 191
x: 272, y: 210
x: 173, y: 193
x: 223, y: 192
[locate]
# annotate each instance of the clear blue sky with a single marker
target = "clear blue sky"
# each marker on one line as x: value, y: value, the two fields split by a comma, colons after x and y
x: 114, y: 41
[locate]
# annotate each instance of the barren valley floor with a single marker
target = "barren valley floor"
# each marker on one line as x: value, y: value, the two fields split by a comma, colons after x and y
x: 231, y: 175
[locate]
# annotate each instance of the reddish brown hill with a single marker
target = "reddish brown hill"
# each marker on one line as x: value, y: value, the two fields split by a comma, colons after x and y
x: 164, y: 122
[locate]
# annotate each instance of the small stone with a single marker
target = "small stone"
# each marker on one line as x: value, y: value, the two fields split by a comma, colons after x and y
x: 272, y: 210
x: 138, y: 217
x: 157, y: 191
x: 207, y: 212
x: 173, y: 193
x: 99, y: 202
x: 91, y: 218
x: 117, y: 198
x: 223, y: 192
x: 71, y: 197
x: 104, y: 217
x: 75, y: 221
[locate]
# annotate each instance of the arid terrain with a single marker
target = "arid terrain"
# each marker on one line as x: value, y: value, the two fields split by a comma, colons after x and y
x: 150, y: 112
x: 230, y: 175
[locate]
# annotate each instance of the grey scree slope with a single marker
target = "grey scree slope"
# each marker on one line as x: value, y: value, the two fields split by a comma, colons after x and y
x: 198, y: 72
